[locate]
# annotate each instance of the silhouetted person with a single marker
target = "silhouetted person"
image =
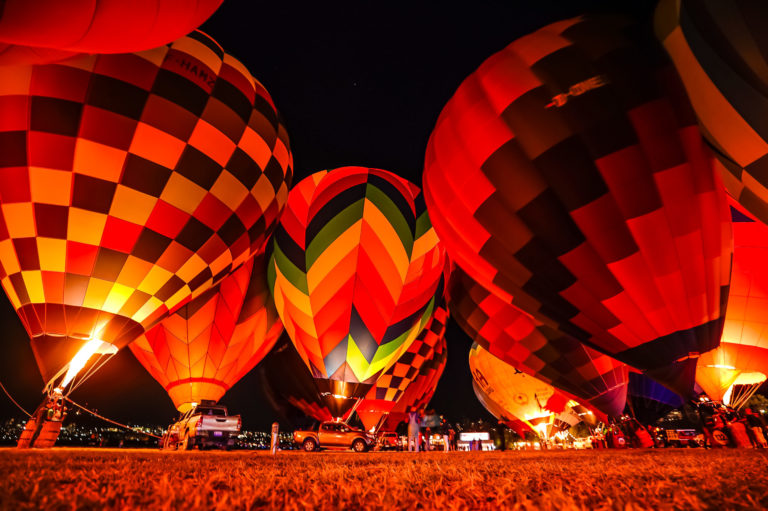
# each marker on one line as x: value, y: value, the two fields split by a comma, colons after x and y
x: 501, y: 433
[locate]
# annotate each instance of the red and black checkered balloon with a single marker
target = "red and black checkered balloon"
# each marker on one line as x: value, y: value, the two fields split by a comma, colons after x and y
x: 419, y: 393
x: 544, y: 353
x: 567, y: 175
x: 43, y: 31
x: 130, y: 184
x: 393, y: 383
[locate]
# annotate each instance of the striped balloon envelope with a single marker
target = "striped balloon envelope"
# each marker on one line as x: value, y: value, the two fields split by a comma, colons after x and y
x: 47, y: 30
x: 513, y: 337
x: 742, y: 356
x: 719, y: 50
x: 393, y: 383
x: 210, y: 343
x: 567, y: 176
x: 129, y: 185
x: 357, y: 267
x: 521, y: 396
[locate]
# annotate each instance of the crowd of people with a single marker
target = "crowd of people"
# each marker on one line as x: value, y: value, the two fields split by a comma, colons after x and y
x: 718, y: 426
x: 723, y: 425
x: 423, y: 424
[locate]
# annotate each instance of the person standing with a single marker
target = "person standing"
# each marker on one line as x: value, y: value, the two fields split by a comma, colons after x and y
x: 275, y: 435
x: 754, y: 428
x: 501, y: 433
x: 446, y: 435
x: 414, y: 427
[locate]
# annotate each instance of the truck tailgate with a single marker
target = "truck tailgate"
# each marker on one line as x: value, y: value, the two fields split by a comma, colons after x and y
x: 217, y: 423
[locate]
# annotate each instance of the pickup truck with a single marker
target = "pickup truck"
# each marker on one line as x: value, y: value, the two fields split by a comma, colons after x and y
x: 334, y: 435
x: 204, y: 425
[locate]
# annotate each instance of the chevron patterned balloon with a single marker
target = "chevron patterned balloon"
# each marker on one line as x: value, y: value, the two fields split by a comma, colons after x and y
x: 354, y: 274
x: 202, y: 350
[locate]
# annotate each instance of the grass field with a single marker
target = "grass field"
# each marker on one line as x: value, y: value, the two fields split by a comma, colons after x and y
x: 620, y: 480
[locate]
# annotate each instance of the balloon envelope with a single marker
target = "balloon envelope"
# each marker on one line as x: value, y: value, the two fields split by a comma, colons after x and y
x: 357, y: 266
x: 648, y: 400
x: 744, y: 345
x: 396, y: 380
x: 45, y: 30
x: 719, y: 50
x: 567, y: 176
x: 210, y: 343
x: 557, y: 359
x: 130, y: 184
x: 519, y: 395
x: 290, y: 387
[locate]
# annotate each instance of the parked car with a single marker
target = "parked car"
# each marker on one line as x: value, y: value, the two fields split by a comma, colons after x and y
x: 389, y: 440
x: 204, y: 425
x: 334, y: 435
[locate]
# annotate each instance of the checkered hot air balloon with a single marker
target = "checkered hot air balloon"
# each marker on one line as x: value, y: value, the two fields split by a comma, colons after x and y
x: 719, y: 50
x: 210, y: 343
x: 356, y: 268
x: 130, y: 184
x: 742, y: 357
x: 567, y: 175
x: 393, y: 383
x: 520, y: 395
x: 557, y: 359
x: 419, y: 393
x: 43, y: 31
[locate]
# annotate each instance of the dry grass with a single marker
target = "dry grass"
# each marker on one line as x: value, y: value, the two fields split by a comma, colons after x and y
x: 629, y: 480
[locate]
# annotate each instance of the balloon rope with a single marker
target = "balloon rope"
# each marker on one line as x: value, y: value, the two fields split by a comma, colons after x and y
x: 110, y: 420
x: 14, y: 401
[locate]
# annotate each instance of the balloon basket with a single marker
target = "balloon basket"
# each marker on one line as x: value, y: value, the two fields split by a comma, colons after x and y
x: 47, y: 436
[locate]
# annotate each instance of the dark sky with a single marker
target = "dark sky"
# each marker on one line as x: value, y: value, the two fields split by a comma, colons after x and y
x: 358, y: 83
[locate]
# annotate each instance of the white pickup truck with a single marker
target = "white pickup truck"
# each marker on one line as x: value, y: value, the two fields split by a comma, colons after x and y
x: 204, y: 425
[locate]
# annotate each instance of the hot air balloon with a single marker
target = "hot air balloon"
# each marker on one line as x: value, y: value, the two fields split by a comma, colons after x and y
x: 43, y: 31
x: 290, y: 387
x: 719, y: 51
x: 418, y: 393
x: 356, y: 268
x: 567, y: 176
x: 557, y: 359
x: 516, y: 425
x: 521, y: 396
x: 129, y: 185
x: 742, y: 357
x: 392, y: 384
x: 210, y: 343
x: 647, y: 400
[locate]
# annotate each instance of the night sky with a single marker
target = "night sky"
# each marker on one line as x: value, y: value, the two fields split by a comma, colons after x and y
x: 358, y: 83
